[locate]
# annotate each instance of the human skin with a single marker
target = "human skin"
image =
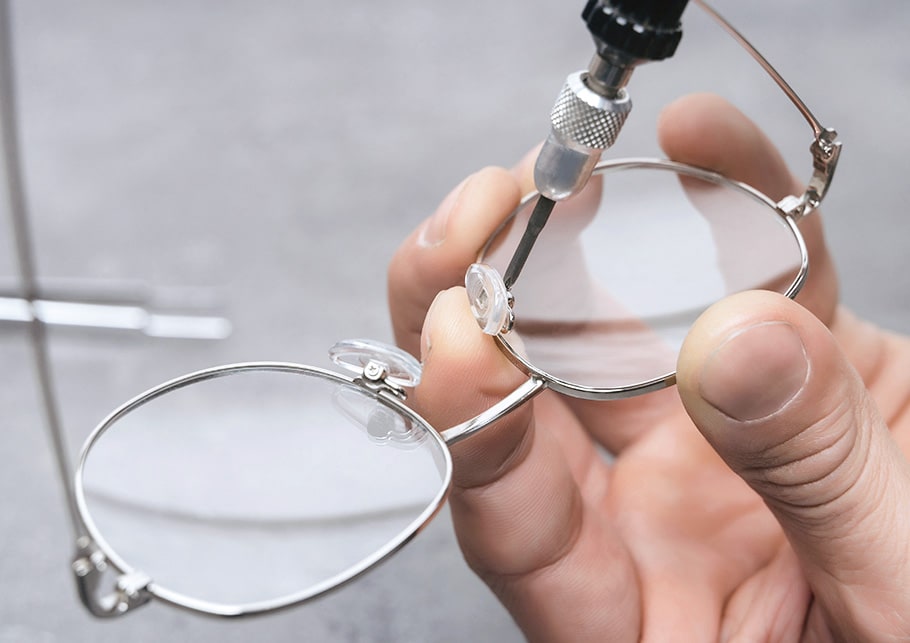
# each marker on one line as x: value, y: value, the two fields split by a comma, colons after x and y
x: 763, y: 498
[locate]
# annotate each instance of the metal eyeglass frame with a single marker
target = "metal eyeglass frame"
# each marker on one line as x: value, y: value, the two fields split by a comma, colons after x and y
x: 485, y: 280
x: 382, y: 373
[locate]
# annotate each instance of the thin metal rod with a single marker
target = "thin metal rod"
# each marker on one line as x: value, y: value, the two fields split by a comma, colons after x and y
x: 25, y: 258
x: 78, y: 314
x: 767, y: 66
x: 536, y: 223
x: 528, y: 389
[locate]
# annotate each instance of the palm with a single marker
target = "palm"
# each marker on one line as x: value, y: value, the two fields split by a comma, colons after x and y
x: 696, y: 532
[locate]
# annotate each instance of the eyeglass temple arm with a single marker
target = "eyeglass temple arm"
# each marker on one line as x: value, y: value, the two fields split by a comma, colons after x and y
x: 825, y: 148
x: 89, y: 567
x: 26, y: 260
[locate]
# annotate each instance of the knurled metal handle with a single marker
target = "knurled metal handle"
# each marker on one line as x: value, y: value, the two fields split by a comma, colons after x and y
x: 586, y: 118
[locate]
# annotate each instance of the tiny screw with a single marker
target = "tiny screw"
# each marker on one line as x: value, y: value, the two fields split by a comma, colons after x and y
x: 82, y: 567
x: 374, y: 371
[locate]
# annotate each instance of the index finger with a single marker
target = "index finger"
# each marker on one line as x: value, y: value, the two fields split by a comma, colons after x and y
x: 435, y: 256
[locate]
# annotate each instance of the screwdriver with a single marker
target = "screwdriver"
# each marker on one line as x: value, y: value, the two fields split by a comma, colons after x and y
x: 593, y: 105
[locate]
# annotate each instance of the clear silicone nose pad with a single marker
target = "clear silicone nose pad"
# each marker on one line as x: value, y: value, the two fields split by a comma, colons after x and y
x: 383, y: 425
x: 491, y: 302
x: 367, y: 357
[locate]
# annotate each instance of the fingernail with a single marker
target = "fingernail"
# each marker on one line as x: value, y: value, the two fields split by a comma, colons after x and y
x: 425, y: 342
x: 755, y: 372
x: 433, y: 232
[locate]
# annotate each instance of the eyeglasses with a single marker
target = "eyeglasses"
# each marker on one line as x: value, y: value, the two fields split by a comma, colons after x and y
x: 249, y: 488
x: 623, y: 269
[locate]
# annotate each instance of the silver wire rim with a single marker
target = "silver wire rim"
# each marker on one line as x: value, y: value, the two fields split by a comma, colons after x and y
x: 668, y: 379
x: 258, y: 607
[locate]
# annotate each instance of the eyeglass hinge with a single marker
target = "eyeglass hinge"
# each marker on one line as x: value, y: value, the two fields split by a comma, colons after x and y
x: 825, y: 149
x: 90, y: 567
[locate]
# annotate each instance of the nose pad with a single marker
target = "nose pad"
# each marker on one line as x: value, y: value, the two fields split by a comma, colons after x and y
x: 382, y: 424
x: 377, y: 361
x: 491, y: 302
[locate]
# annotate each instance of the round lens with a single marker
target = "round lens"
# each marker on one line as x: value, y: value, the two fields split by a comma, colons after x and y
x: 259, y: 487
x: 623, y: 269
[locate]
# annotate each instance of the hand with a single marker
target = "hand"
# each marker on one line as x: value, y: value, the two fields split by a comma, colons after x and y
x: 764, y: 498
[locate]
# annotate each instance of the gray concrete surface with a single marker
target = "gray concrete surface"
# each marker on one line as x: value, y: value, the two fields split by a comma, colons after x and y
x: 276, y: 152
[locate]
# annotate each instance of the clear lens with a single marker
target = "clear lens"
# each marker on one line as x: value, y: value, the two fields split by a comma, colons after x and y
x: 261, y: 485
x: 623, y: 269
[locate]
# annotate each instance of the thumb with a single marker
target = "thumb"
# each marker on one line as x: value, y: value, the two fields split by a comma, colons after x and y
x: 770, y: 389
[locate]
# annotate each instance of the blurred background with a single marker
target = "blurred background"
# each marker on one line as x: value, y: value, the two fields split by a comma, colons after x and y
x: 263, y: 160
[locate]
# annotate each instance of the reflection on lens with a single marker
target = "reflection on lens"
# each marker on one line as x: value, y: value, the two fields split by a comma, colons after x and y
x: 622, y: 270
x: 259, y: 485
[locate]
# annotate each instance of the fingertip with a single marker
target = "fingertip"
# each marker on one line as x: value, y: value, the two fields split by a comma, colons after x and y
x: 426, y: 332
x: 758, y: 371
x: 486, y: 200
x: 693, y: 127
x: 435, y: 256
x: 769, y: 387
x: 746, y: 358
x: 473, y: 208
x: 768, y: 352
x: 450, y: 331
x: 707, y: 131
x: 722, y: 319
x: 523, y: 171
x: 464, y: 374
x: 771, y: 390
x: 459, y: 358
